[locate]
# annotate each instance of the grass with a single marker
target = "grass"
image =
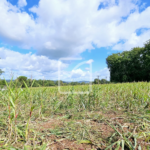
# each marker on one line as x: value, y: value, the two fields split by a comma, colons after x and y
x: 112, y: 116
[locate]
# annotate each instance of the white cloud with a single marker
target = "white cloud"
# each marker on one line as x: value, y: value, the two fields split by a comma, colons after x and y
x: 41, y: 67
x: 78, y: 73
x: 87, y: 68
x: 90, y: 61
x: 67, y: 28
x: 128, y: 30
x: 22, y: 3
x: 103, y: 74
x: 29, y: 64
x: 133, y: 41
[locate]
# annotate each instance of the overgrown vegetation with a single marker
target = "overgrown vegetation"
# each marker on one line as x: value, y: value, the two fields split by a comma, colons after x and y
x: 112, y: 116
x: 130, y: 66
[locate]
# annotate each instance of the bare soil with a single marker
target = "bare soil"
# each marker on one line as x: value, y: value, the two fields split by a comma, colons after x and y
x: 61, y: 143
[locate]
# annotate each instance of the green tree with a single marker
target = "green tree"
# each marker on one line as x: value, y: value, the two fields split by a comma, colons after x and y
x: 83, y: 83
x: 130, y: 66
x: 2, y: 82
x: 103, y: 81
x: 74, y: 83
x: 96, y: 81
x: 49, y: 83
x: 21, y: 79
x: 61, y: 83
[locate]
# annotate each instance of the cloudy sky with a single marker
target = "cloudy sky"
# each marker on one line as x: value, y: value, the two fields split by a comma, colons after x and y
x: 39, y: 36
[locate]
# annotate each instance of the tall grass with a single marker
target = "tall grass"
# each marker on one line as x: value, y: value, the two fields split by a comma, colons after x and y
x: 21, y: 108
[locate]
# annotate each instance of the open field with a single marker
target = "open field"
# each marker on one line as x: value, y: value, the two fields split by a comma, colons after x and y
x: 112, y: 116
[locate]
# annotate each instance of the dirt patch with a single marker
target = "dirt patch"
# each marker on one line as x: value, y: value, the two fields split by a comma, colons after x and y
x: 70, y: 145
x: 50, y: 124
x: 97, y: 128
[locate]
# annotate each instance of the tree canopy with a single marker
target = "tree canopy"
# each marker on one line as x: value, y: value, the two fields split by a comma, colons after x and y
x: 130, y: 66
x: 102, y: 81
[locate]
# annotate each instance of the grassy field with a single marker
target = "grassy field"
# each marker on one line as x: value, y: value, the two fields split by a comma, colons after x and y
x: 112, y: 116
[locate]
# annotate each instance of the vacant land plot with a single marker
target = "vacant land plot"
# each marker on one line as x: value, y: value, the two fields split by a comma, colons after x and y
x: 112, y: 116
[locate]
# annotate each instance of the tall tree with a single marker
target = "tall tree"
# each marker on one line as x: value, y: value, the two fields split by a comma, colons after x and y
x: 103, y: 81
x: 21, y: 80
x: 96, y: 81
x: 131, y: 65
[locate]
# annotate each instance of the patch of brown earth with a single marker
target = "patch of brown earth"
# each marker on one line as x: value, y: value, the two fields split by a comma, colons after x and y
x: 69, y: 145
x: 51, y: 124
x: 96, y: 125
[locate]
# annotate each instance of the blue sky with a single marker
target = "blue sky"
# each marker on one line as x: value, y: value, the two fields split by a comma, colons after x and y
x: 36, y: 34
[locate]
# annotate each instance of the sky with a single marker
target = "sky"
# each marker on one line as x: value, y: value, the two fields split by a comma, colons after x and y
x: 68, y: 39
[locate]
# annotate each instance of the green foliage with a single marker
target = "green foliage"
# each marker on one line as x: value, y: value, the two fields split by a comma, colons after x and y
x: 19, y: 82
x: 102, y: 81
x: 96, y: 81
x: 1, y: 71
x: 22, y: 78
x: 59, y: 82
x: 130, y: 66
x: 81, y: 117
x: 2, y: 82
x: 74, y: 83
x: 83, y: 83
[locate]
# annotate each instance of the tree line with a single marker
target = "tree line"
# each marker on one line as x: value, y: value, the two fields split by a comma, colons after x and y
x: 130, y: 66
x: 22, y: 81
x: 102, y: 81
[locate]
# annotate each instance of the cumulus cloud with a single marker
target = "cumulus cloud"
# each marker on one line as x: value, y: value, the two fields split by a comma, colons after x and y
x: 41, y: 67
x: 103, y: 74
x: 29, y: 64
x: 78, y: 73
x: 133, y: 41
x: 68, y: 28
x: 22, y: 3
x: 90, y: 61
x: 135, y: 21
